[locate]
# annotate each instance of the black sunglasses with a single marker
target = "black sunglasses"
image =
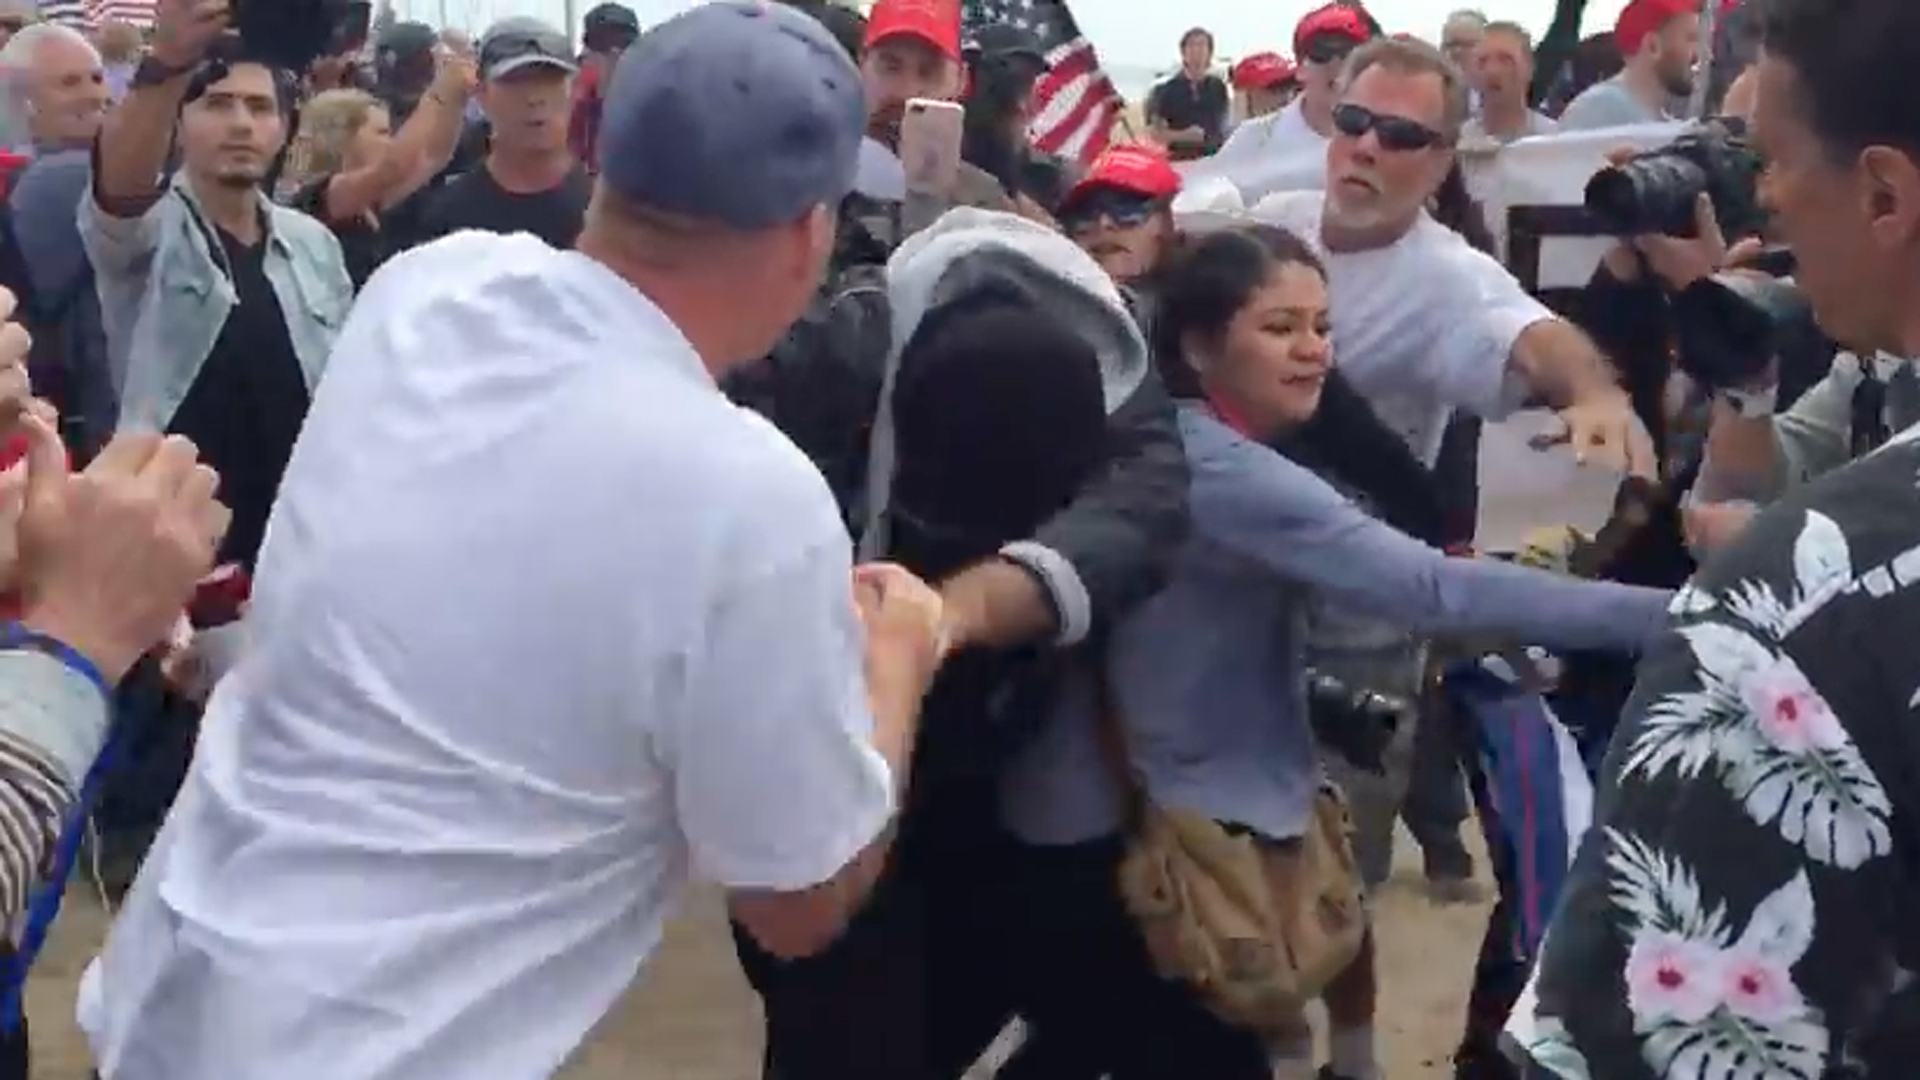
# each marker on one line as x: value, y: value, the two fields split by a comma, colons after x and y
x: 1327, y: 48
x: 1395, y: 132
x: 1125, y: 209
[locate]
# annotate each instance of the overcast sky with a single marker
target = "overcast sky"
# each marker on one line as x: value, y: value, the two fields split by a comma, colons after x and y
x: 1127, y: 32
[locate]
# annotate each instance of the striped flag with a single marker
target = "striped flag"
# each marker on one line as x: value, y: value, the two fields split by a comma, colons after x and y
x: 1074, y: 103
x: 89, y: 14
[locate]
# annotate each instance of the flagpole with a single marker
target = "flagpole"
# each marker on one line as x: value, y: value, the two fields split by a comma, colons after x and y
x: 1703, y: 78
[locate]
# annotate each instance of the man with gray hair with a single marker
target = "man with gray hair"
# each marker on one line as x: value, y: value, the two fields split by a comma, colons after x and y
x: 56, y: 85
x: 1460, y: 35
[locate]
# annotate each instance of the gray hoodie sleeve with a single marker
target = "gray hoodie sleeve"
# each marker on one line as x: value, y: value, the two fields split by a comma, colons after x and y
x: 1256, y: 502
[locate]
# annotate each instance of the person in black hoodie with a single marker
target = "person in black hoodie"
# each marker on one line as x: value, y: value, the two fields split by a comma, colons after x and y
x: 996, y: 430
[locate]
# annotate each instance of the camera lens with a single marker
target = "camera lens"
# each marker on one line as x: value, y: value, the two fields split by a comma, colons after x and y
x: 1654, y: 193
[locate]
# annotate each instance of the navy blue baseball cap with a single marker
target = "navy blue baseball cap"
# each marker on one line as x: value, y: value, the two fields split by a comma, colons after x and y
x: 740, y: 112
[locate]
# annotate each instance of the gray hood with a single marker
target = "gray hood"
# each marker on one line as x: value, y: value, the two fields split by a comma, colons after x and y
x: 955, y: 255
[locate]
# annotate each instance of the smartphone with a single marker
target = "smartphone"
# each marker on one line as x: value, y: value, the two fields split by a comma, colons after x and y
x: 930, y: 145
x: 349, y: 34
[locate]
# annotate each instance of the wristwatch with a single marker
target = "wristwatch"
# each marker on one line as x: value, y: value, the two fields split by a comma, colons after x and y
x: 1750, y: 404
x: 153, y: 71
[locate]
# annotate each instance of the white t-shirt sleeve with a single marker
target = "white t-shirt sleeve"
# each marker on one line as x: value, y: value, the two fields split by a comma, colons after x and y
x: 776, y: 783
x: 1472, y: 361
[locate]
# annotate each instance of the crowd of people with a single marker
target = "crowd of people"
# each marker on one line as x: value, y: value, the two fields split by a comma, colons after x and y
x: 465, y: 492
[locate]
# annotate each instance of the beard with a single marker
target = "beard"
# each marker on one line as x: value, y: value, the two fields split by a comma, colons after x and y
x: 239, y: 175
x: 1678, y: 83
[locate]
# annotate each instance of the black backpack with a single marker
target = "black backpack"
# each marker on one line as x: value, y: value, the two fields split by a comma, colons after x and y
x: 821, y: 383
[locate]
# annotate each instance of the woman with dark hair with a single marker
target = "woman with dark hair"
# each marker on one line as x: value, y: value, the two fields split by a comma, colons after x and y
x: 1207, y: 678
x: 1120, y: 213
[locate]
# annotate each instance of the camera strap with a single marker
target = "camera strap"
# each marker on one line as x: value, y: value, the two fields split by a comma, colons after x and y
x: 1868, y: 429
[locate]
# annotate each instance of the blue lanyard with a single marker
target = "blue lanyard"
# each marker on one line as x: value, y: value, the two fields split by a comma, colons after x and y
x: 44, y: 907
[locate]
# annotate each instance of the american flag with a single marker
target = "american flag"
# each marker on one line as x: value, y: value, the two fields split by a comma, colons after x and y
x: 89, y: 14
x: 1074, y: 103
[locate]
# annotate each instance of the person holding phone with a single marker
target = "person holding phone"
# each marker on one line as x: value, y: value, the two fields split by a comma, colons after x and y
x: 912, y: 52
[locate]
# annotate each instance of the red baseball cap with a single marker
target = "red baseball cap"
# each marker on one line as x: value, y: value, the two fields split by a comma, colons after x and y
x: 1261, y: 71
x: 1335, y: 19
x: 1641, y: 19
x: 1137, y: 168
x: 936, y: 22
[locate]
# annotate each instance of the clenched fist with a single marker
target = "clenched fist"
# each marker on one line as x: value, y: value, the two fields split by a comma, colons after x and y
x: 109, y: 556
x: 903, y: 620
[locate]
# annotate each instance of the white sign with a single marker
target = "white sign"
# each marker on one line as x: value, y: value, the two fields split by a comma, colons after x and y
x: 1553, y: 170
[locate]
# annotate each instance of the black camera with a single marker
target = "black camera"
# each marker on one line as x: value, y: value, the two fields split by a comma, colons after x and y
x: 1730, y: 326
x: 1655, y: 192
x: 1357, y: 724
x: 292, y: 34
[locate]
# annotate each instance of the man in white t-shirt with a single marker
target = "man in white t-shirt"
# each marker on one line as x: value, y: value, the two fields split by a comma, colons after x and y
x: 544, y: 626
x: 1425, y: 325
x: 1286, y: 150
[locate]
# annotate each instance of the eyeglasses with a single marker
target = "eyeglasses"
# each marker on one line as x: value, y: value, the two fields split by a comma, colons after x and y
x: 1125, y: 209
x: 1395, y: 132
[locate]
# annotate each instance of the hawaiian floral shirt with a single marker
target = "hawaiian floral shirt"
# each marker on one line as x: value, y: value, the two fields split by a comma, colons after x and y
x: 1747, y: 905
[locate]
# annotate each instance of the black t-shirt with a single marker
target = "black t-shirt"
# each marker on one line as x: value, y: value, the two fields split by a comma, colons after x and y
x: 246, y: 406
x: 477, y: 201
x: 1182, y: 103
x: 364, y: 241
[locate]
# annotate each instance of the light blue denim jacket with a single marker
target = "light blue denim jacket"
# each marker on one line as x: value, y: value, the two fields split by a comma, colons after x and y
x: 164, y: 296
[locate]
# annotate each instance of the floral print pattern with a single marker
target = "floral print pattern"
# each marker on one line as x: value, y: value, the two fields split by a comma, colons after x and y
x: 1742, y: 883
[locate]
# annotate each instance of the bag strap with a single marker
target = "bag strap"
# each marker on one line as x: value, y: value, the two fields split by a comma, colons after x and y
x: 44, y: 906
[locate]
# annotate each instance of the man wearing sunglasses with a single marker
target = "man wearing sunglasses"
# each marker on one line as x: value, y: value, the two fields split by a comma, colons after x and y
x: 1119, y: 212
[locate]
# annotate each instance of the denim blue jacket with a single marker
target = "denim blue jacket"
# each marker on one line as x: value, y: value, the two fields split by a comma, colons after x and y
x: 164, y: 296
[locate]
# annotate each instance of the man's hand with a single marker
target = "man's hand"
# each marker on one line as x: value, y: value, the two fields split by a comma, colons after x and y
x: 1712, y: 526
x: 903, y: 620
x: 1602, y: 429
x: 109, y: 557
x: 455, y: 76
x: 1679, y: 261
x: 183, y: 30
